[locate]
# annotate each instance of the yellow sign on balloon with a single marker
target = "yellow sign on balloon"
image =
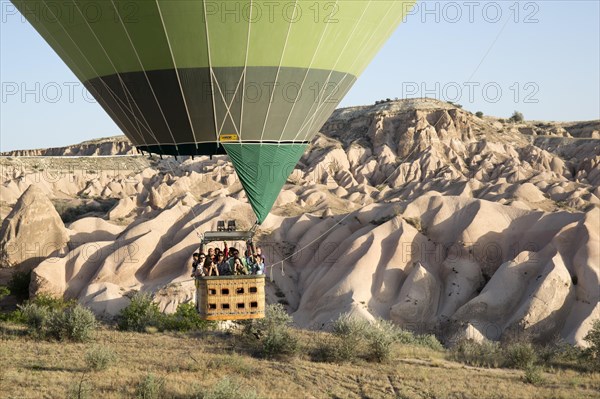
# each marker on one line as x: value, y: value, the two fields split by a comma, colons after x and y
x: 228, y: 138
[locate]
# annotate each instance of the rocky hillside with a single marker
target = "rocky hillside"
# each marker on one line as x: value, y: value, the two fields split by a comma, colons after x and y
x: 118, y: 145
x: 415, y: 211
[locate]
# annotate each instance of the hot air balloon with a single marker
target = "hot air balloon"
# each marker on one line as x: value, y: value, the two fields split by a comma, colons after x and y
x: 249, y: 78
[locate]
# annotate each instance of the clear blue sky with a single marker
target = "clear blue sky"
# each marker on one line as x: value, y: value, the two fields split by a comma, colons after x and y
x: 545, y: 61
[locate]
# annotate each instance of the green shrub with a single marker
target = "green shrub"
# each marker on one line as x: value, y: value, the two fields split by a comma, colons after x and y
x: 354, y: 337
x: 556, y: 352
x: 533, y: 375
x: 485, y: 354
x: 519, y: 355
x: 329, y: 349
x: 100, y: 358
x: 592, y: 354
x: 429, y: 341
x: 19, y: 285
x: 275, y: 333
x: 73, y: 324
x: 35, y: 317
x: 151, y: 387
x: 185, y: 318
x: 140, y: 314
x: 4, y: 292
x: 517, y: 117
x: 380, y: 338
x: 479, y: 114
x: 350, y: 326
x: 35, y: 312
x: 351, y: 334
x: 426, y: 340
x: 52, y: 303
x: 407, y: 338
x: 228, y: 389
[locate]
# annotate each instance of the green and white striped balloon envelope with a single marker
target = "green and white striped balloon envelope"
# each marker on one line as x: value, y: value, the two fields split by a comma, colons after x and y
x: 255, y: 79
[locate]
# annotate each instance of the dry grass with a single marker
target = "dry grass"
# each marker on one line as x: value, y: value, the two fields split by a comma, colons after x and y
x: 188, y: 364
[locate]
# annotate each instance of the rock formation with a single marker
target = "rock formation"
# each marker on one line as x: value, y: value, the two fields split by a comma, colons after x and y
x: 31, y: 232
x: 414, y: 211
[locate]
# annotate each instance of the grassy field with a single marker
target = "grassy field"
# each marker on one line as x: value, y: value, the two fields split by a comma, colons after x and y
x: 188, y: 365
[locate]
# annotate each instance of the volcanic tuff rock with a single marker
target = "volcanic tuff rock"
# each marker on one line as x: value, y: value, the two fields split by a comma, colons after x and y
x: 31, y: 232
x: 118, y: 145
x: 416, y: 211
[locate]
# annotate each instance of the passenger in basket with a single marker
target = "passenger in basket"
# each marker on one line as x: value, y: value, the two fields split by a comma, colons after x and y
x: 258, y: 266
x: 239, y: 268
x: 222, y: 265
x: 235, y: 254
x: 260, y: 254
x: 198, y: 261
x: 210, y: 268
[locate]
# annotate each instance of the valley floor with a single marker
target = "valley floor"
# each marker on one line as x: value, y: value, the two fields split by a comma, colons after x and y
x: 187, y: 364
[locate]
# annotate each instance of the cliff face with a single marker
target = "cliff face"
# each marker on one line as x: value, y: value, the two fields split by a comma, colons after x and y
x: 415, y: 211
x: 118, y: 145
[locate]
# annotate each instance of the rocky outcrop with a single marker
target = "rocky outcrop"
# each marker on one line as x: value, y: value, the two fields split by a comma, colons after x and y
x: 31, y: 232
x: 118, y: 145
x: 414, y: 211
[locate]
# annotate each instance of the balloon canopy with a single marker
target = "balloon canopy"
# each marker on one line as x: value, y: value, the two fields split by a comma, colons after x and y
x: 253, y: 79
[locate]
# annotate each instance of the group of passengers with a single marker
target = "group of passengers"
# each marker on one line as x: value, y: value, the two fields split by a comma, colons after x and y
x: 228, y: 262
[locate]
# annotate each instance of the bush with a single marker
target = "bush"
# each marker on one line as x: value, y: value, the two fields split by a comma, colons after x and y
x: 52, y: 303
x: 329, y: 349
x: 185, y: 318
x: 140, y: 314
x: 479, y: 114
x: 4, y: 292
x: 517, y: 117
x: 429, y: 341
x: 74, y: 324
x: 34, y: 310
x: 353, y: 337
x: 274, y: 332
x: 380, y: 338
x: 485, y: 354
x: 592, y: 354
x: 19, y: 285
x: 350, y: 333
x: 228, y: 389
x: 35, y: 317
x: 426, y: 340
x: 558, y: 352
x: 533, y: 375
x: 100, y: 358
x: 151, y: 387
x: 519, y: 355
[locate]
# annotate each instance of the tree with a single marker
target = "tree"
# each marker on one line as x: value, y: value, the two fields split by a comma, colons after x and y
x: 517, y: 117
x: 479, y: 114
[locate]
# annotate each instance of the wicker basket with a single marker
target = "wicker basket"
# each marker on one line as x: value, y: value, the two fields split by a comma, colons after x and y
x: 231, y: 297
